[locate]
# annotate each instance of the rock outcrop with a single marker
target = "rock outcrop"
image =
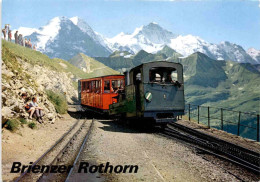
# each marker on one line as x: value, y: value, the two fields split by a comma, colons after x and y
x: 13, y: 85
x: 21, y: 74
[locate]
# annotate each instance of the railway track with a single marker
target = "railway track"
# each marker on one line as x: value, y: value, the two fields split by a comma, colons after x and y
x: 211, y: 145
x: 72, y: 171
x: 63, y: 152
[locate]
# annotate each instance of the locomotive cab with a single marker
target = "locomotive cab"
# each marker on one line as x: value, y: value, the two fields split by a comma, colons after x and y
x: 154, y: 91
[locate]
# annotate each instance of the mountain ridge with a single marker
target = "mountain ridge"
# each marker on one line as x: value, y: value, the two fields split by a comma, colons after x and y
x: 152, y: 38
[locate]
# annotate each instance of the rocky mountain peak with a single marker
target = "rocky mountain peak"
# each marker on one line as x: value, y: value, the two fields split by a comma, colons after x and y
x: 156, y: 34
x: 255, y: 54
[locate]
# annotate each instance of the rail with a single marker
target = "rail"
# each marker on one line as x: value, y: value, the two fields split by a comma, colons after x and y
x: 48, y: 151
x: 228, y: 120
x: 224, y: 150
x: 80, y: 150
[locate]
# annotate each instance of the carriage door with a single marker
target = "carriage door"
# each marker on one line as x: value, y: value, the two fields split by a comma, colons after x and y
x: 137, y: 83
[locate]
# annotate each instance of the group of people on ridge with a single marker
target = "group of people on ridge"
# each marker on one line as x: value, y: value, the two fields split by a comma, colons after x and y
x: 18, y: 38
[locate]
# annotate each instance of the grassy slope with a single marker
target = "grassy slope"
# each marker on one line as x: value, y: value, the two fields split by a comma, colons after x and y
x: 223, y: 84
x: 37, y: 58
x: 220, y: 83
x: 169, y: 52
x: 97, y: 68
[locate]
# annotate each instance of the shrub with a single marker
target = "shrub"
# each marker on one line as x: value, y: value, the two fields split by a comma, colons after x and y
x: 59, y: 101
x: 12, y: 124
x: 23, y: 121
x: 32, y: 125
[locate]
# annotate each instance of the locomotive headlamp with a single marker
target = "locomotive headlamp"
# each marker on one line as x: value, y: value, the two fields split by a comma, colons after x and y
x: 148, y: 96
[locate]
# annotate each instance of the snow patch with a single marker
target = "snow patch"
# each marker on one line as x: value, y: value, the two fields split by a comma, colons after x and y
x: 25, y: 31
x: 128, y: 56
x: 75, y: 20
x: 253, y: 53
x: 48, y: 32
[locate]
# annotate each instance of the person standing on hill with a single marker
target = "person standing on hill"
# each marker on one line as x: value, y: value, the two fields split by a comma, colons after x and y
x: 4, y: 32
x: 26, y: 42
x: 29, y: 43
x: 10, y: 35
x: 16, y: 37
x: 20, y: 39
x: 7, y: 28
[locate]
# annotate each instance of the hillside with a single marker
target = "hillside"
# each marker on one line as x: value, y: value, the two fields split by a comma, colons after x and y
x: 27, y: 71
x: 90, y: 66
x: 169, y: 52
x: 221, y: 83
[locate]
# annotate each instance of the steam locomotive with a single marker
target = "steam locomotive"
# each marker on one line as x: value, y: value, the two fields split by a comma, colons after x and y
x: 152, y: 91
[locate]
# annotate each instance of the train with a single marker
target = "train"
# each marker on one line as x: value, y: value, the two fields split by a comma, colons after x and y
x: 152, y: 91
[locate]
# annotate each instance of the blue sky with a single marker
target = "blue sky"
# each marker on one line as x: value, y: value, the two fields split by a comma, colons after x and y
x: 237, y: 21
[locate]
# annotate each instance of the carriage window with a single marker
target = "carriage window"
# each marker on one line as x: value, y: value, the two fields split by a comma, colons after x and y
x: 89, y: 87
x: 174, y: 76
x: 122, y: 84
x: 137, y: 77
x: 107, y: 86
x: 85, y: 86
x: 93, y: 86
x: 163, y: 75
x: 98, y: 87
x: 117, y: 85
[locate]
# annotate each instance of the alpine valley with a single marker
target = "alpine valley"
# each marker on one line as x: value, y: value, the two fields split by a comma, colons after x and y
x: 221, y: 75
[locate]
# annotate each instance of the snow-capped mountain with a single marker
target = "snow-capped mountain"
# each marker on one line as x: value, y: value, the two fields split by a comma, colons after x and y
x: 152, y: 38
x: 64, y: 38
x: 98, y: 38
x: 255, y: 54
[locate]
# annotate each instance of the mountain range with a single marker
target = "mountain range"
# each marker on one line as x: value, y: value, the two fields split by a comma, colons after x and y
x: 64, y: 38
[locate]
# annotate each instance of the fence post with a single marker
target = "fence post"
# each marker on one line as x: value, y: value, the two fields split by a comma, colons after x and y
x: 257, y: 138
x: 222, y: 119
x: 208, y: 118
x: 238, y: 125
x: 189, y: 112
x: 198, y: 114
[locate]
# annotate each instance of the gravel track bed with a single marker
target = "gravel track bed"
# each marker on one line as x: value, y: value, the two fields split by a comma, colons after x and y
x: 52, y: 154
x: 158, y: 158
x: 67, y: 155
